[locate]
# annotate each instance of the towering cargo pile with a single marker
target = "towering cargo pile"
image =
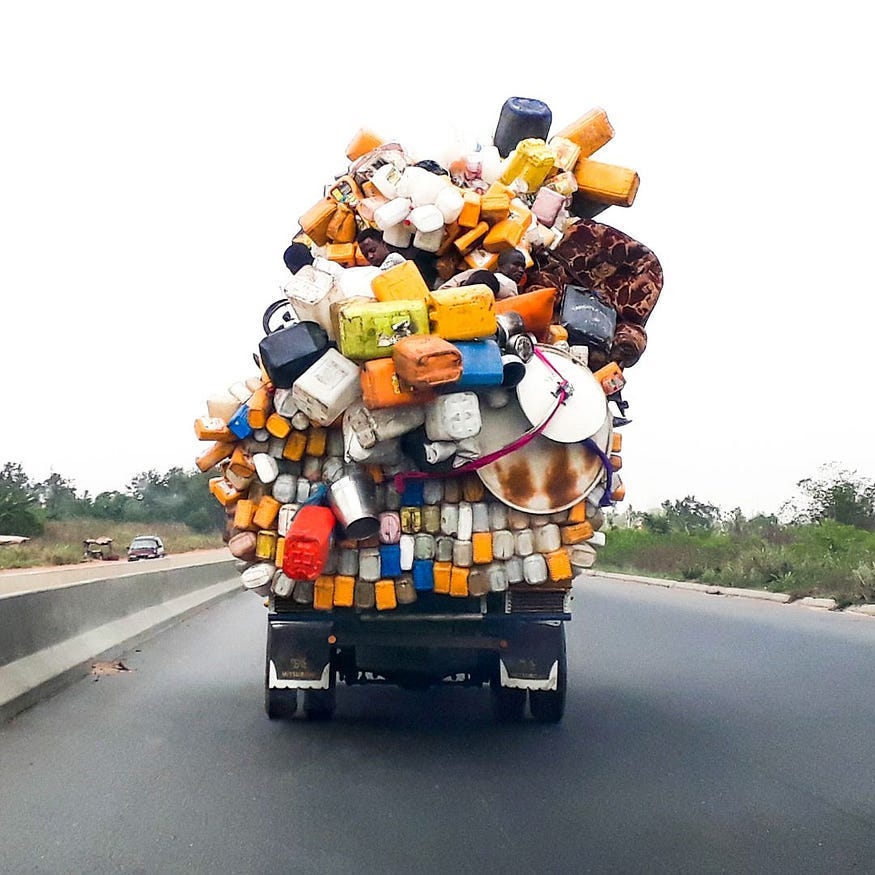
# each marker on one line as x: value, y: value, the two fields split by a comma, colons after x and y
x: 439, y: 397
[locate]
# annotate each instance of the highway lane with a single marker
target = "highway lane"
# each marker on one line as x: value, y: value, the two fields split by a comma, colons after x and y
x: 703, y: 734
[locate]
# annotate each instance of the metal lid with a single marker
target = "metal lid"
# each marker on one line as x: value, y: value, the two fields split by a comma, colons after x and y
x: 581, y: 415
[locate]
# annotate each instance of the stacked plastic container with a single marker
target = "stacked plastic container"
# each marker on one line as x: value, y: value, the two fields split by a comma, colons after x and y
x: 348, y: 466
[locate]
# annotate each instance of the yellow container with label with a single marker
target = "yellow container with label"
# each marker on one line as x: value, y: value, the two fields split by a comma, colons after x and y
x: 323, y: 593
x: 529, y: 164
x: 265, y: 545
x: 403, y: 282
x: 384, y: 594
x: 464, y: 313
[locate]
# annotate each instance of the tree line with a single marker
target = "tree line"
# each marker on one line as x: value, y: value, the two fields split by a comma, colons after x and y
x: 173, y: 496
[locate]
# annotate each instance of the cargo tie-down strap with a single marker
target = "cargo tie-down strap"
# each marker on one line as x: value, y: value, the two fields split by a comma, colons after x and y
x: 562, y: 393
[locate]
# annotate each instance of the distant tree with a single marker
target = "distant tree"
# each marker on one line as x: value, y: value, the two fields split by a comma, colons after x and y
x: 691, y: 515
x: 834, y: 493
x: 19, y: 505
x: 57, y: 495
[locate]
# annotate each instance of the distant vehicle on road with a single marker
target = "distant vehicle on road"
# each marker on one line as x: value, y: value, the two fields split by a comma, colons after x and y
x: 145, y: 547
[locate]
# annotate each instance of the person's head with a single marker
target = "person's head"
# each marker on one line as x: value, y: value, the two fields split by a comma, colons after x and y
x: 296, y: 256
x: 483, y: 278
x: 373, y: 247
x: 512, y: 263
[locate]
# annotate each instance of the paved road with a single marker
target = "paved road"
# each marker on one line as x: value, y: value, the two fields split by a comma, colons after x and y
x: 17, y: 580
x: 703, y: 734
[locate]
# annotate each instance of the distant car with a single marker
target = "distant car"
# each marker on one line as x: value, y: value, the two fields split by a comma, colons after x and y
x: 145, y: 547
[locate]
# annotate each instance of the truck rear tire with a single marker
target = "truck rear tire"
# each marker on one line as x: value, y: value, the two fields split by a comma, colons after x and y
x: 280, y: 703
x: 319, y: 704
x: 508, y: 703
x: 548, y: 706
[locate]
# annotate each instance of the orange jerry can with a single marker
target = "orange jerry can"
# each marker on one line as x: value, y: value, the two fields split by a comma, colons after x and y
x: 381, y: 387
x: 344, y: 591
x: 559, y: 565
x: 244, y: 513
x: 495, y: 203
x: 482, y: 547
x: 214, y: 454
x: 459, y: 581
x: 315, y: 221
x: 575, y: 533
x: 470, y: 215
x: 463, y: 313
x: 384, y: 595
x: 213, y: 428
x: 341, y: 253
x: 258, y: 407
x: 442, y: 574
x: 266, y: 513
x: 611, y: 378
x: 363, y: 141
x: 606, y: 183
x: 323, y: 593
x: 341, y: 226
x: 426, y: 361
x: 403, y: 282
x: 505, y: 234
x: 591, y: 131
x: 467, y: 241
x: 223, y: 491
x: 480, y: 259
x: 536, y: 309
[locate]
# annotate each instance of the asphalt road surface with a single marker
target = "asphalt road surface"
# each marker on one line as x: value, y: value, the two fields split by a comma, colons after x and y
x: 703, y: 734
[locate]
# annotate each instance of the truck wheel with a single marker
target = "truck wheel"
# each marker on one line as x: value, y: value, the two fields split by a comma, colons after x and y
x: 508, y: 703
x: 548, y: 706
x: 319, y: 704
x: 280, y: 703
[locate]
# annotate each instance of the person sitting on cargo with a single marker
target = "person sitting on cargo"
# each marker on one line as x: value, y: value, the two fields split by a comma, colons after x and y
x: 296, y: 256
x: 377, y: 252
x: 510, y: 270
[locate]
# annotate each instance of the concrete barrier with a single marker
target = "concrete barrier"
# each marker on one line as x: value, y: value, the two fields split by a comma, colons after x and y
x: 49, y: 637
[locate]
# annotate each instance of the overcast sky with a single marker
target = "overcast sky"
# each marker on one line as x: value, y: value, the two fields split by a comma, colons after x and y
x: 156, y: 157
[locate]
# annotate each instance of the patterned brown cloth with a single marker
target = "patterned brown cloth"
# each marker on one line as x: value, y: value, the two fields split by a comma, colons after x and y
x: 625, y: 272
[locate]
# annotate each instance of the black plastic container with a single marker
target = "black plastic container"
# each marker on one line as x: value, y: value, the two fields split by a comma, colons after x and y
x: 288, y: 352
x: 520, y: 118
x: 589, y: 320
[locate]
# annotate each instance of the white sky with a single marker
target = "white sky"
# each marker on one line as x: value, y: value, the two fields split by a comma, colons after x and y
x: 156, y: 157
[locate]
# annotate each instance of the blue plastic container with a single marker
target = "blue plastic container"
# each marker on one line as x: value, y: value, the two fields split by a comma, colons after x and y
x: 239, y: 422
x: 481, y: 364
x: 413, y: 492
x: 390, y: 560
x: 520, y: 118
x: 423, y: 575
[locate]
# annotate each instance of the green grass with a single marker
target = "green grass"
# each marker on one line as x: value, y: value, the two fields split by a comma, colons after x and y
x: 825, y: 560
x: 61, y: 542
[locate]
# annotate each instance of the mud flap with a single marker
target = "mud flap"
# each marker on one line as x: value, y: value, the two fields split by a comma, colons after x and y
x: 531, y: 659
x: 298, y: 655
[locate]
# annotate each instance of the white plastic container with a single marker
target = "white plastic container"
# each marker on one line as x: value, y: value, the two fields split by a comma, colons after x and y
x: 284, y: 403
x: 490, y: 164
x: 240, y: 391
x: 369, y: 564
x: 300, y: 421
x: 328, y: 387
x: 517, y: 519
x: 463, y: 554
x: 282, y: 585
x: 398, y: 235
x: 581, y: 556
x: 423, y: 546
x: 284, y: 488
x: 548, y: 538
x: 426, y: 218
x: 449, y: 201
x: 266, y: 468
x: 284, y: 518
x: 383, y: 453
x: 432, y: 490
x: 429, y: 241
x: 431, y: 518
x: 443, y: 549
x: 453, y: 417
x: 373, y: 426
x: 596, y: 540
x: 514, y: 569
x: 480, y: 516
x: 332, y: 469
x: 223, y: 406
x: 302, y: 491
x: 275, y: 447
x: 503, y: 544
x: 391, y: 213
x: 258, y: 578
x: 497, y: 516
x: 466, y: 521
x: 311, y: 293
x: 524, y: 543
x: 406, y: 543
x: 348, y: 562
x: 496, y: 574
x: 312, y: 469
x: 386, y: 179
x: 535, y: 569
x: 449, y: 519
